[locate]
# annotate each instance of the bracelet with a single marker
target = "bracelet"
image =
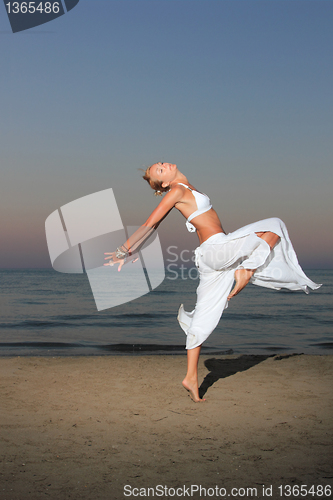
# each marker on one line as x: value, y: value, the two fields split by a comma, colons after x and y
x: 121, y: 254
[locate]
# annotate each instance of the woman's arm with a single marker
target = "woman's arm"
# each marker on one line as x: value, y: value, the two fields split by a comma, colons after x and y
x: 168, y: 201
x: 140, y: 236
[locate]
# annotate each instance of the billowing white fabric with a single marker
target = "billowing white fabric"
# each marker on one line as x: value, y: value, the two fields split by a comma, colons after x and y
x: 217, y: 260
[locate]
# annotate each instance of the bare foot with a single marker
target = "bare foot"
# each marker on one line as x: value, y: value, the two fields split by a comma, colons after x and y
x: 242, y: 277
x: 193, y: 390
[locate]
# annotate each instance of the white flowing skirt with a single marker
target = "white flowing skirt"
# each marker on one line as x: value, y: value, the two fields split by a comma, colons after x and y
x: 221, y: 255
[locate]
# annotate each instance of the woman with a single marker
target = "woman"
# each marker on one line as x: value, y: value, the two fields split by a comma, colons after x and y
x: 261, y: 252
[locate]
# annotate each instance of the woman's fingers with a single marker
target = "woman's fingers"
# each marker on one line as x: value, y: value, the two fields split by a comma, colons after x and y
x: 111, y: 255
x: 115, y: 260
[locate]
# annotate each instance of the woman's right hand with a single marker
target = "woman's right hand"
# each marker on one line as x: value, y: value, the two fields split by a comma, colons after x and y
x: 114, y: 260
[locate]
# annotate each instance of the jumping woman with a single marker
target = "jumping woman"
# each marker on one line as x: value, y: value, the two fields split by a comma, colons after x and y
x: 260, y: 252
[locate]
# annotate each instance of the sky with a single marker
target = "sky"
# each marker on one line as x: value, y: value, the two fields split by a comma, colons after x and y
x: 237, y: 93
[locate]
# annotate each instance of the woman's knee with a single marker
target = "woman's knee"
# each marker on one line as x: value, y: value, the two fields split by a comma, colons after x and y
x: 270, y: 238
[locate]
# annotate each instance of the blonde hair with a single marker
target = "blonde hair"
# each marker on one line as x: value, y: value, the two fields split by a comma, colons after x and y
x: 156, y: 185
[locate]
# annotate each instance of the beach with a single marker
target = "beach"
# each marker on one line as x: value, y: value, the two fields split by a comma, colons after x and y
x: 114, y: 427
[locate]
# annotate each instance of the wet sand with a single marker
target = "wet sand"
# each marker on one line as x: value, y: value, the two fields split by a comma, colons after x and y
x: 84, y: 427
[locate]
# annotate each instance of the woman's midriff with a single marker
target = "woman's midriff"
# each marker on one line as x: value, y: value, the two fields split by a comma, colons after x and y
x: 207, y: 225
x: 202, y: 239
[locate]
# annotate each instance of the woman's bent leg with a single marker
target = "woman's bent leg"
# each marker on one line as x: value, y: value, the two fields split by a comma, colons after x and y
x: 243, y: 276
x: 190, y: 382
x: 269, y: 237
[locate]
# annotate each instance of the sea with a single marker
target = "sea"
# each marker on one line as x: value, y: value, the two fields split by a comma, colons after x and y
x: 46, y: 313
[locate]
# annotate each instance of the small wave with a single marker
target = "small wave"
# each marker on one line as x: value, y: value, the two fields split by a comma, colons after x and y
x: 248, y: 317
x: 127, y: 348
x: 74, y: 317
x: 276, y: 348
x: 111, y: 348
x: 143, y: 315
x: 140, y: 347
x: 325, y: 321
x: 40, y: 345
x: 326, y: 345
x: 32, y: 303
x: 34, y: 324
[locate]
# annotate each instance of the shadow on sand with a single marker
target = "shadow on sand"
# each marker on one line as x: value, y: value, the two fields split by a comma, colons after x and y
x: 222, y: 368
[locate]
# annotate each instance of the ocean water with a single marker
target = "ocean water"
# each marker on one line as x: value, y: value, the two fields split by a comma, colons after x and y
x: 45, y: 313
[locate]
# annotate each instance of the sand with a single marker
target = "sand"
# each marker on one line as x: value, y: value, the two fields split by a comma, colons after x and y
x: 84, y: 427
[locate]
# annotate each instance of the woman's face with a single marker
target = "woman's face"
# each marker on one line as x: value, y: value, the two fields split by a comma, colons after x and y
x: 163, y: 172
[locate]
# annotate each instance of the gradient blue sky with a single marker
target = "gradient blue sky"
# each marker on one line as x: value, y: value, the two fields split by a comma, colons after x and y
x: 238, y: 93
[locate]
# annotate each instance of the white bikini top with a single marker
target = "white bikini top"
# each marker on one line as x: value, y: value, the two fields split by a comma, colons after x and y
x: 203, y: 205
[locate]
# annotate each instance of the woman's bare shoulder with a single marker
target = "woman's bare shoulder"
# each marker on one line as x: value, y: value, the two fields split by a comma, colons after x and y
x: 176, y: 192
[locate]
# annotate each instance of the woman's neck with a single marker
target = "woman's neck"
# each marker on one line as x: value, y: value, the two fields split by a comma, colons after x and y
x: 180, y: 178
